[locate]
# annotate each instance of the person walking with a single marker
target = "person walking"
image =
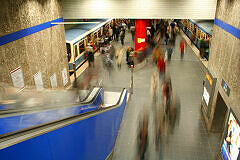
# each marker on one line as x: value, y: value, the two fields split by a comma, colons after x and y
x: 129, y: 49
x: 111, y: 33
x: 119, y: 55
x: 148, y: 36
x: 182, y: 46
x: 122, y: 36
x: 166, y: 32
x: 114, y: 31
x: 132, y: 28
x: 171, y: 30
x: 170, y: 50
x: 117, y: 32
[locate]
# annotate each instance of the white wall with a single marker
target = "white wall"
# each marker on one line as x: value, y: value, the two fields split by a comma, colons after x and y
x: 181, y: 9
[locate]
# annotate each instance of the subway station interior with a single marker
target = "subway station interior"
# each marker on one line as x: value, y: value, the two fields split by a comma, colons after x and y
x: 119, y: 80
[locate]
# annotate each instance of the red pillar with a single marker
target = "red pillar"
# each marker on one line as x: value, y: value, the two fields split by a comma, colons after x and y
x: 140, y: 34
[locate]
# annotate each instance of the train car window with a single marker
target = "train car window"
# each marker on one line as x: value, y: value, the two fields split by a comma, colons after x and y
x: 95, y: 35
x: 99, y: 33
x: 88, y: 38
x: 76, y: 51
x: 81, y: 47
x: 68, y: 51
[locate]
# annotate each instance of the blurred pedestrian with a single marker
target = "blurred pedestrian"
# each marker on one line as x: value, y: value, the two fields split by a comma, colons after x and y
x: 152, y: 31
x: 161, y: 66
x: 122, y: 36
x: 117, y: 32
x: 171, y: 30
x: 142, y: 138
x: 119, y: 55
x: 132, y: 28
x: 148, y: 35
x: 114, y: 31
x: 166, y: 24
x: 169, y: 50
x: 90, y: 56
x: 156, y: 53
x: 111, y: 33
x: 182, y: 46
x: 129, y: 49
x: 131, y: 59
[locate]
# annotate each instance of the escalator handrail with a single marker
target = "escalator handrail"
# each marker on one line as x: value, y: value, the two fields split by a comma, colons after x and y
x: 18, y: 111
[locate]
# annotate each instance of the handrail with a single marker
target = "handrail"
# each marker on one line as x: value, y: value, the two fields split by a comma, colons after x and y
x: 18, y: 111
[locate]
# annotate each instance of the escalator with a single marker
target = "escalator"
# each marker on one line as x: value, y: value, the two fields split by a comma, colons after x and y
x: 14, y: 119
x: 76, y: 136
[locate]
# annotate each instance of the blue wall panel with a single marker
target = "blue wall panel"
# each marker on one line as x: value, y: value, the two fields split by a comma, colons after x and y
x: 33, y: 149
x: 92, y: 138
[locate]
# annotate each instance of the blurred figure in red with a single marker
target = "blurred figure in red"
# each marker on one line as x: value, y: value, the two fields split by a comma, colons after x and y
x: 182, y: 46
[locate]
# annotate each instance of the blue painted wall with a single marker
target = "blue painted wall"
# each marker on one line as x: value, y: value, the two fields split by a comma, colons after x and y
x: 89, y: 139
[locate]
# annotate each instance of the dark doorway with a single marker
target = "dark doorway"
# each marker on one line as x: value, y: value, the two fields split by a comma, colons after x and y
x: 219, y: 115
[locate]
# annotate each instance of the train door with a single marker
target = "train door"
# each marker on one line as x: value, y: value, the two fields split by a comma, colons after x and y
x: 68, y: 51
x: 75, y: 52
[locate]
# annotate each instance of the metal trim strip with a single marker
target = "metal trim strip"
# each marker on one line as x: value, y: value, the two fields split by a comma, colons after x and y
x: 227, y: 27
x: 28, y: 31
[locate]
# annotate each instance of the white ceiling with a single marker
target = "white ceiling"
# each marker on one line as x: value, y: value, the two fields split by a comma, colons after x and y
x: 145, y: 9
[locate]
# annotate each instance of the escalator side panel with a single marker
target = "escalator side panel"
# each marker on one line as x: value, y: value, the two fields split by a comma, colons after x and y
x: 91, y: 138
x: 15, y: 123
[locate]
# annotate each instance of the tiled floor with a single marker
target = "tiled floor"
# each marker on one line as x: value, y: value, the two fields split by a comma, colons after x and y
x: 190, y: 139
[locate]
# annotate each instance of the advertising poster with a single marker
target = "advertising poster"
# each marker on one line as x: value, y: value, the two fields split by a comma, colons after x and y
x: 38, y: 81
x: 64, y: 76
x: 231, y: 142
x: 17, y: 78
x: 53, y: 80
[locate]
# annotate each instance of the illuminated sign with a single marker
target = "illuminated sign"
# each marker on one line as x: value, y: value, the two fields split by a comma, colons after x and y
x: 140, y: 40
x: 209, y: 78
x: 225, y: 87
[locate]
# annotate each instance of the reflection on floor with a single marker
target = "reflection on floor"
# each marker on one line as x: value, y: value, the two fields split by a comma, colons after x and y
x: 190, y: 139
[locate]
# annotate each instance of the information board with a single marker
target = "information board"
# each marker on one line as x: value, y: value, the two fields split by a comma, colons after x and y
x: 206, y: 96
x: 64, y: 76
x: 17, y: 78
x: 53, y: 80
x: 38, y: 81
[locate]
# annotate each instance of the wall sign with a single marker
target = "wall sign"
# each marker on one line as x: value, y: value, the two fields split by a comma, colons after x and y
x: 17, y: 78
x: 53, y: 80
x: 38, y: 81
x: 209, y: 78
x: 225, y: 87
x: 206, y: 95
x: 140, y: 40
x: 64, y: 76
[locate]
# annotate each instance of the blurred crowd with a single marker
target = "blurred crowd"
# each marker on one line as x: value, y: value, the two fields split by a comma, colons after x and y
x: 165, y: 104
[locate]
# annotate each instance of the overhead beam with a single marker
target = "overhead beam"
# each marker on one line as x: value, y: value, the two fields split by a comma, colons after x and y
x: 139, y: 9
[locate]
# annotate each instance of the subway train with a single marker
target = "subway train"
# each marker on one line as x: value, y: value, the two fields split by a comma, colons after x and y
x: 79, y: 36
x: 203, y: 29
